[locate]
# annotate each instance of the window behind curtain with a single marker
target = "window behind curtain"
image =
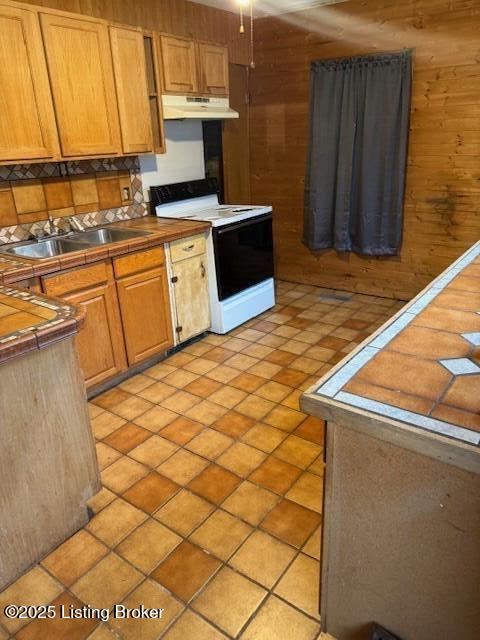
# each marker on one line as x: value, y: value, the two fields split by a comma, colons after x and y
x: 355, y: 181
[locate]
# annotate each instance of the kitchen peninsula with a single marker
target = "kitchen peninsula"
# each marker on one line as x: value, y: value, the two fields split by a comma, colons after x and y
x: 48, y: 466
x: 402, y: 488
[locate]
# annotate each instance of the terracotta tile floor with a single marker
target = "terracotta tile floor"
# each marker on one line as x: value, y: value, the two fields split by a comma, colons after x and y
x: 211, y: 505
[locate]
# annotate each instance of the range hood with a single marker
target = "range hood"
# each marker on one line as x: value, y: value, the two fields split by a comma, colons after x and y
x: 180, y: 107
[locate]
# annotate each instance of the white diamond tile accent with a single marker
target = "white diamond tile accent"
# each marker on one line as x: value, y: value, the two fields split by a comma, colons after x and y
x: 460, y: 366
x: 473, y: 338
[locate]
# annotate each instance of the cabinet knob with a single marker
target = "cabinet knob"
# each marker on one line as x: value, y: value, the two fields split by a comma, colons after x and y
x: 203, y: 270
x: 189, y: 248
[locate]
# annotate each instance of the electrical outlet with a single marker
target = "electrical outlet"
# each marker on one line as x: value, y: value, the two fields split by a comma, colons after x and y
x: 125, y: 193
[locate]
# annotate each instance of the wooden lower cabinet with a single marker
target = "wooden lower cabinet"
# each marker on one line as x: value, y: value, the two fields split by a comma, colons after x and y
x: 145, y: 309
x: 192, y: 309
x: 127, y: 305
x: 100, y: 342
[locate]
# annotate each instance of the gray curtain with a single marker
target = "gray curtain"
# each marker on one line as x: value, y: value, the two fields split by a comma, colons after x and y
x: 355, y: 180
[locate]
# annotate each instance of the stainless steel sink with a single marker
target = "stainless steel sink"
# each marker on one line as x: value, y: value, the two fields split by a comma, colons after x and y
x: 52, y: 247
x: 47, y: 248
x: 107, y: 235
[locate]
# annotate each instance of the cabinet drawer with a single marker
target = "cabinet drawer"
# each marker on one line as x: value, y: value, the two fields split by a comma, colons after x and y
x: 136, y: 262
x: 69, y: 281
x: 187, y: 247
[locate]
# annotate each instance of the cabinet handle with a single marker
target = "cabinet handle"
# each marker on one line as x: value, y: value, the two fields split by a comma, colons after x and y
x: 189, y: 248
x: 203, y: 270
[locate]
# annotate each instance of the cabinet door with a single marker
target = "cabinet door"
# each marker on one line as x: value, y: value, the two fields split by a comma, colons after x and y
x: 130, y: 70
x: 100, y: 342
x: 81, y: 76
x: 145, y: 309
x: 179, y: 65
x: 213, y: 60
x: 191, y: 297
x: 27, y: 121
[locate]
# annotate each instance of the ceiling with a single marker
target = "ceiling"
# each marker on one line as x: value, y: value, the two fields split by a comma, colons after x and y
x: 268, y: 7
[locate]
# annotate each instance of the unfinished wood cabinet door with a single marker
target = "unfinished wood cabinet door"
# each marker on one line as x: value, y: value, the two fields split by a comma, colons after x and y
x: 27, y: 121
x: 213, y: 61
x: 192, y: 307
x: 100, y: 342
x: 81, y: 76
x: 179, y: 65
x: 145, y: 309
x: 130, y: 70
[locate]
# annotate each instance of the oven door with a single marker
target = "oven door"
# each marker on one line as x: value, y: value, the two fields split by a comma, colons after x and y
x: 243, y: 254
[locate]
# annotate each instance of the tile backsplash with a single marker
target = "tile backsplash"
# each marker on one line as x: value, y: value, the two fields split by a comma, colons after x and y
x: 94, y: 191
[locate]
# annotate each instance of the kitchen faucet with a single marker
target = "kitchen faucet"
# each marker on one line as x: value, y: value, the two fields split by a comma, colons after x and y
x: 76, y: 224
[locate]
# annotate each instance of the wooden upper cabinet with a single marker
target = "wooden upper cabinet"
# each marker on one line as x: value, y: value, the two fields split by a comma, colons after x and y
x: 27, y: 121
x: 81, y: 77
x: 129, y: 66
x: 213, y: 64
x: 179, y: 65
x: 153, y: 60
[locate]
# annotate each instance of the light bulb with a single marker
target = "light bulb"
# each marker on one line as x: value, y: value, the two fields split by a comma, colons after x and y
x: 243, y: 3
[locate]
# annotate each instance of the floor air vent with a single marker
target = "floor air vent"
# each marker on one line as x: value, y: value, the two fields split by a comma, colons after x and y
x: 336, y: 296
x: 379, y: 633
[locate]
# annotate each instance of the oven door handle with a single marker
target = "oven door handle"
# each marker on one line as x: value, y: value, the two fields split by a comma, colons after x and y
x: 245, y: 223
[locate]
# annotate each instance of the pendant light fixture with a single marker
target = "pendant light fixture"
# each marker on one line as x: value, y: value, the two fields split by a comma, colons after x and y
x: 246, y: 6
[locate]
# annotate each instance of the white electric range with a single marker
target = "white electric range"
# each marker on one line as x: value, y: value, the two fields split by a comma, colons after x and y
x: 239, y: 249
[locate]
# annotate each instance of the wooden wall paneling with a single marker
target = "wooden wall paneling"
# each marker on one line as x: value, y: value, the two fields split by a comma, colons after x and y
x: 207, y: 23
x: 442, y: 195
x: 236, y: 140
x: 238, y: 44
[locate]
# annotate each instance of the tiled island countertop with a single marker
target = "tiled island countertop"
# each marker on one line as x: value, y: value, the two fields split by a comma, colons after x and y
x: 421, y: 370
x: 402, y: 474
x: 31, y: 321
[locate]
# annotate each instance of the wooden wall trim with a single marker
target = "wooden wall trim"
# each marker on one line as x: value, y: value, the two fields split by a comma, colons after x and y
x: 442, y: 193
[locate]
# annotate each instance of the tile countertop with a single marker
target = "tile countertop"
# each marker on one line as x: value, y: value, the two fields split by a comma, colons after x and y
x: 31, y: 321
x: 421, y: 370
x: 13, y: 269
